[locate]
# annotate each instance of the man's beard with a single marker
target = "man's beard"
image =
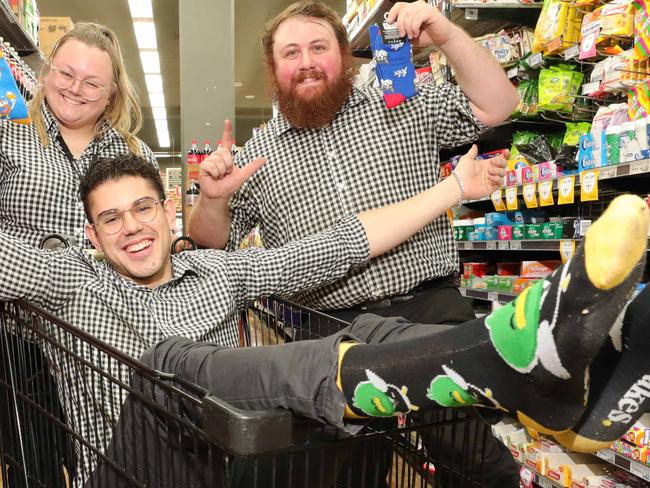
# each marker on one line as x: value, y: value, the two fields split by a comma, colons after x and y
x: 318, y: 110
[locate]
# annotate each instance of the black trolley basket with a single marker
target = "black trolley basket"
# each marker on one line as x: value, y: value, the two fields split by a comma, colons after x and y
x: 178, y: 435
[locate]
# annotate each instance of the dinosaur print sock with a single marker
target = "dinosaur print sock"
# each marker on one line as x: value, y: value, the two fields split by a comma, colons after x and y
x: 620, y: 382
x: 529, y: 358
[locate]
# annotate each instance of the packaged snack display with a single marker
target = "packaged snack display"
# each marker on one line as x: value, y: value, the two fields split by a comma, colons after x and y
x: 12, y: 104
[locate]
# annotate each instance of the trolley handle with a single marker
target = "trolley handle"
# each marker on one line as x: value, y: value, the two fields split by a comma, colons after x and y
x: 246, y: 432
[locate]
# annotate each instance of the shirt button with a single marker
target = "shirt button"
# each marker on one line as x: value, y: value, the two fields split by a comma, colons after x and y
x: 340, y: 186
x: 80, y: 204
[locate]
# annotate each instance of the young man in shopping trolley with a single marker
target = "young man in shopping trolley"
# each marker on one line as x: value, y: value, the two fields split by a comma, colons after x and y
x: 528, y: 359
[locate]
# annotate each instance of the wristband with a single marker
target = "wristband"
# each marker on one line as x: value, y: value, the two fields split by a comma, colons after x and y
x: 460, y: 185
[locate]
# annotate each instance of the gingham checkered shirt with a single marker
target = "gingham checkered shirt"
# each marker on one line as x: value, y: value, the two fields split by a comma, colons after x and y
x: 39, y: 186
x: 200, y: 302
x: 366, y: 158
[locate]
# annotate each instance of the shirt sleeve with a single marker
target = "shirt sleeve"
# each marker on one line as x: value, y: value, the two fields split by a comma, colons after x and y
x: 454, y: 122
x: 244, y: 208
x: 47, y: 278
x: 307, y: 263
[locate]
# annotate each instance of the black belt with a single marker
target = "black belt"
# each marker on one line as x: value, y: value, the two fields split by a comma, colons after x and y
x: 432, y: 284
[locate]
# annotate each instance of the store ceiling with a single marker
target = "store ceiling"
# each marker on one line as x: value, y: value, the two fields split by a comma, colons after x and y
x: 250, y: 16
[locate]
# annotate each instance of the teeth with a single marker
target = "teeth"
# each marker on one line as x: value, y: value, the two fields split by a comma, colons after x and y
x: 139, y: 246
x: 70, y: 100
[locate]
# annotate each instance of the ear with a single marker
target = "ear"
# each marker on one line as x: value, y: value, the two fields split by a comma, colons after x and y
x: 92, y: 235
x: 170, y: 213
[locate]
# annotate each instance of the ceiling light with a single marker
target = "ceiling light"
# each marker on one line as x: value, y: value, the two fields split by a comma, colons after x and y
x: 140, y: 9
x: 150, y: 61
x: 145, y: 34
x: 154, y: 83
x: 163, y: 139
x: 161, y: 125
x: 250, y: 97
x: 238, y: 84
x: 159, y: 113
x: 157, y: 99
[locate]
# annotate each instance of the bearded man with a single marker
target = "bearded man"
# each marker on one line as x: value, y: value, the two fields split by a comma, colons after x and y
x: 335, y: 149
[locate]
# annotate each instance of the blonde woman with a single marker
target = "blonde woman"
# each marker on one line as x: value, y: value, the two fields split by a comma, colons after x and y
x: 86, y: 108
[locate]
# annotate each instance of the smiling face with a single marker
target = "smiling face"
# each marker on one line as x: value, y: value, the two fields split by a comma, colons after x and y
x: 84, y: 62
x: 140, y: 251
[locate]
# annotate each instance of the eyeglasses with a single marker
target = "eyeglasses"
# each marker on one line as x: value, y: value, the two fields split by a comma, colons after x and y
x: 144, y: 211
x: 90, y: 90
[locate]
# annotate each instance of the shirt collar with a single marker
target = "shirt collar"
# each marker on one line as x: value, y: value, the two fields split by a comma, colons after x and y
x: 107, y: 131
x: 357, y: 97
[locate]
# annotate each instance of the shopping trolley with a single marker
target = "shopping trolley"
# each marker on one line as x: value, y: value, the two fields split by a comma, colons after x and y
x: 191, y: 439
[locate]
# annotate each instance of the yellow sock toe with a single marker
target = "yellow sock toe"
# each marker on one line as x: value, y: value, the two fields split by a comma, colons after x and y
x: 616, y: 241
x: 526, y: 421
x: 577, y: 443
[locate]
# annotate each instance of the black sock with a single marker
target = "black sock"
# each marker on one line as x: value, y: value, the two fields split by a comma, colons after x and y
x: 529, y: 358
x: 620, y: 382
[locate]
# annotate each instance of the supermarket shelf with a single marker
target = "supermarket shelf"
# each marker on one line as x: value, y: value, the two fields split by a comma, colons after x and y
x: 634, y: 467
x: 493, y: 5
x: 635, y: 168
x: 538, y: 479
x: 359, y: 38
x: 513, y: 245
x: 491, y: 296
x: 13, y: 32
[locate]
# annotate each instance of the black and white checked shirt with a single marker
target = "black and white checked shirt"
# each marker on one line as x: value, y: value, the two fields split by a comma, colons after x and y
x: 200, y: 302
x: 39, y: 186
x: 367, y: 158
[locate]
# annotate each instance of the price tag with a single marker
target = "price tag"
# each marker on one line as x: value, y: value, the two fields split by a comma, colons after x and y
x: 639, y: 167
x: 497, y: 200
x: 640, y: 470
x: 565, y: 187
x: 490, y: 245
x: 515, y: 245
x: 512, y: 72
x: 511, y: 198
x: 607, y: 455
x: 567, y: 249
x: 572, y: 52
x: 469, y: 245
x: 554, y: 44
x: 545, y: 189
x: 530, y: 196
x: 544, y: 483
x: 536, y: 60
x: 589, y: 88
x: 607, y: 172
x: 526, y: 477
x: 493, y: 296
x: 503, y: 245
x: 471, y: 14
x: 463, y: 291
x: 589, y: 185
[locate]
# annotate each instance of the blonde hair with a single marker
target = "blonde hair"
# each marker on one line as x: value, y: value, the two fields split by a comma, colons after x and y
x: 123, y: 110
x: 305, y: 8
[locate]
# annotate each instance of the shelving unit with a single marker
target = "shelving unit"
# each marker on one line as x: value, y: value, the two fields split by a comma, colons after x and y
x: 629, y: 465
x: 11, y: 31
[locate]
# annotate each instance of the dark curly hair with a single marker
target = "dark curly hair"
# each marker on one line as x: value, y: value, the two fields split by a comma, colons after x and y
x: 109, y: 169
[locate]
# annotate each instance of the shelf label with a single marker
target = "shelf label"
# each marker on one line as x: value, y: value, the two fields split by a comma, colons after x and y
x: 471, y: 14
x: 545, y: 189
x: 607, y: 172
x: 589, y: 88
x: 530, y: 196
x: 463, y: 291
x: 640, y: 470
x: 565, y: 187
x: 469, y: 245
x: 639, y: 167
x: 513, y: 72
x: 607, y: 455
x: 544, y: 483
x: 572, y: 52
x: 503, y: 245
x: 511, y: 198
x: 490, y: 245
x: 527, y: 477
x: 589, y: 185
x: 493, y: 296
x: 515, y: 245
x: 497, y: 200
x: 536, y: 60
x: 554, y: 44
x: 567, y: 249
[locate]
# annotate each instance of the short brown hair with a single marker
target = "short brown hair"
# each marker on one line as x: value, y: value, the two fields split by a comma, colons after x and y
x: 304, y: 8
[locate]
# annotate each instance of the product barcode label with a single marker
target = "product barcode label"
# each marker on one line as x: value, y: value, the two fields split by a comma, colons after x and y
x: 639, y: 167
x: 607, y: 455
x: 572, y: 52
x: 607, y: 172
x: 535, y: 61
x: 503, y: 245
x: 640, y: 470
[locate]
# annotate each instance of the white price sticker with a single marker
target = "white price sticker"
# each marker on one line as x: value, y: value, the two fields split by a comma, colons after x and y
x: 572, y: 52
x: 608, y: 172
x: 544, y: 483
x: 589, y: 88
x: 640, y: 470
x: 607, y: 455
x: 536, y: 60
x: 493, y: 296
x: 639, y: 167
x: 512, y: 72
x: 503, y: 245
x: 515, y: 245
x: 463, y: 291
x: 491, y: 245
x: 469, y: 245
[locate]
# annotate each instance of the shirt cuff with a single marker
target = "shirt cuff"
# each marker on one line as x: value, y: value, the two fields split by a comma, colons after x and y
x: 352, y: 234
